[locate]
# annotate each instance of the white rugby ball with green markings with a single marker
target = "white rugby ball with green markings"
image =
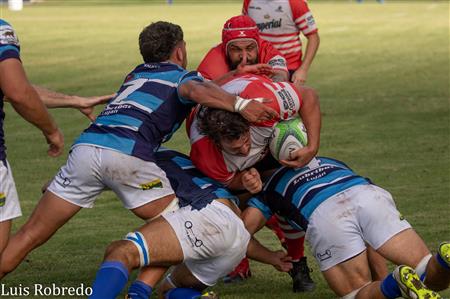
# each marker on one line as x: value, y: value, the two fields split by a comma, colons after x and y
x: 287, y: 136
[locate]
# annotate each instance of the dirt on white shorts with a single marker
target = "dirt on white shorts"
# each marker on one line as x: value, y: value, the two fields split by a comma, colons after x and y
x: 214, y: 240
x: 340, y: 226
x: 89, y: 170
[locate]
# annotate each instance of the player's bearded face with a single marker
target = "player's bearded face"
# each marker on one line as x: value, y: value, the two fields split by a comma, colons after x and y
x: 242, y: 51
x: 240, y: 146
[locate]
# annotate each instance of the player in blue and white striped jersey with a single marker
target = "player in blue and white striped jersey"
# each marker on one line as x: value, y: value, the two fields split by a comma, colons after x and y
x: 205, y: 238
x: 117, y: 150
x: 341, y: 212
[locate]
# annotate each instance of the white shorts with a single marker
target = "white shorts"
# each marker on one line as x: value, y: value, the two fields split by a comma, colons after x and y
x: 340, y: 226
x: 9, y: 200
x: 214, y: 240
x: 89, y: 170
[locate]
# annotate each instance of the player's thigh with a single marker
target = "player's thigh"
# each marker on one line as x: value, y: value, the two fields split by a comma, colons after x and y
x: 135, y: 181
x: 5, y: 229
x: 349, y: 275
x: 405, y: 248
x: 180, y: 277
x: 162, y: 243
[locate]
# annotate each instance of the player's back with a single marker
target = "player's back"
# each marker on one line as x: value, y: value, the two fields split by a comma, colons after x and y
x: 304, y: 189
x: 190, y: 185
x: 145, y: 112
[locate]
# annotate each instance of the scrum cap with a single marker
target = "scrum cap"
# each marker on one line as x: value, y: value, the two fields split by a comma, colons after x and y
x: 239, y: 27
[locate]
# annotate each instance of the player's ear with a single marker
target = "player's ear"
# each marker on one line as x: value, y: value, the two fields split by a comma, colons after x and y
x: 179, y: 53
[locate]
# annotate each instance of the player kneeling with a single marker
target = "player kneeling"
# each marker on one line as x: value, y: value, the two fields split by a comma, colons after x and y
x: 341, y: 212
x: 206, y: 238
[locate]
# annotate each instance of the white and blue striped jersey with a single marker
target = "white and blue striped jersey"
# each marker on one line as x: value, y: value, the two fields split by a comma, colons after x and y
x: 294, y: 193
x: 146, y: 111
x: 9, y: 48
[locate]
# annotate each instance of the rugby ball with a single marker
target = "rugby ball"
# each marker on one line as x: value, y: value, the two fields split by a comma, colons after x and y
x: 287, y: 136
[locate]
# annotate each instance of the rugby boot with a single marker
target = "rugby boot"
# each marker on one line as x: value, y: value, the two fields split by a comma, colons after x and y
x: 444, y: 252
x: 301, y: 280
x: 240, y: 273
x: 410, y: 284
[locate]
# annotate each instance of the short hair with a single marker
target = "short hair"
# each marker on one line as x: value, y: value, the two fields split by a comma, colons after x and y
x: 220, y: 125
x: 158, y: 40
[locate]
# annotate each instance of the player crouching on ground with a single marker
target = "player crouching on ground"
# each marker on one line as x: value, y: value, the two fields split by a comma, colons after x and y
x: 341, y: 211
x: 206, y: 239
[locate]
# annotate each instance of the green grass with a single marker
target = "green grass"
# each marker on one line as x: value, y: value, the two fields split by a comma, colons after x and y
x: 382, y: 73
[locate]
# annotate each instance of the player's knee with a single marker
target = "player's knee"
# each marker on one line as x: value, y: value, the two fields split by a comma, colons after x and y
x: 140, y: 252
x: 124, y: 252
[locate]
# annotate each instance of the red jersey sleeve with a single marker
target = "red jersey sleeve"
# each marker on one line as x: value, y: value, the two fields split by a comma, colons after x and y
x: 303, y: 17
x: 209, y: 159
x: 268, y: 54
x: 214, y: 64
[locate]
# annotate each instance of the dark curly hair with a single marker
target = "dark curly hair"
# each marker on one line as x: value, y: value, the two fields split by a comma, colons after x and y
x: 158, y: 40
x: 220, y: 125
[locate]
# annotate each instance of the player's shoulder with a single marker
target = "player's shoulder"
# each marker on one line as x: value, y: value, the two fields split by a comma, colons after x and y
x: 7, y: 34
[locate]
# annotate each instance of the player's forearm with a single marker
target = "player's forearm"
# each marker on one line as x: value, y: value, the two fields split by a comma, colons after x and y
x: 32, y: 109
x: 311, y: 117
x: 256, y: 251
x: 311, y: 50
x: 208, y: 94
x: 280, y: 76
x: 53, y: 99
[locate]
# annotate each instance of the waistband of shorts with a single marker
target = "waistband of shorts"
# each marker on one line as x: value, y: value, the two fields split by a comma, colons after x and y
x: 224, y: 207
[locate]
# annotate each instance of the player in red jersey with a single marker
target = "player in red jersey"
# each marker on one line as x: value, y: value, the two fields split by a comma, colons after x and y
x: 281, y: 22
x: 233, y: 163
x: 241, y: 42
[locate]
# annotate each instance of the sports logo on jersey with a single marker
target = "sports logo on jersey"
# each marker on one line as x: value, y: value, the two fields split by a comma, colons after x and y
x: 324, y: 255
x: 8, y: 36
x: 277, y: 61
x: 279, y: 9
x: 254, y: 7
x: 150, y: 185
x: 2, y: 199
x: 310, y: 21
x: 267, y: 16
x: 269, y: 25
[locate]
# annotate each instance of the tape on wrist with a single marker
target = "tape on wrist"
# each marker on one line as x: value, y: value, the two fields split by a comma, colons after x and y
x: 240, y: 104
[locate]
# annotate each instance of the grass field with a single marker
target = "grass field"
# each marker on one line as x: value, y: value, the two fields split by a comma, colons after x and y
x: 382, y: 73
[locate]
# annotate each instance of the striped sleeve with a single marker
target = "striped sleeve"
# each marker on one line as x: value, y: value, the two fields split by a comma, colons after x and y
x: 303, y: 17
x: 9, y: 43
x: 188, y: 77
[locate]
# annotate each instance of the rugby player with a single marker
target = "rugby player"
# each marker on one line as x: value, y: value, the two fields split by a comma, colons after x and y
x: 117, y: 150
x: 241, y: 44
x: 205, y: 238
x: 226, y: 148
x: 341, y: 212
x: 280, y: 23
x: 28, y: 101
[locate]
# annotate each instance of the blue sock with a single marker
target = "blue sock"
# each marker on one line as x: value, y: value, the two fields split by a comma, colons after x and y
x: 110, y: 280
x: 442, y: 262
x: 139, y: 290
x: 389, y: 287
x: 183, y: 293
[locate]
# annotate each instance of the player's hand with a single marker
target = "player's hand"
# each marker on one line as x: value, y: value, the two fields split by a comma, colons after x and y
x: 258, y: 69
x: 300, y: 157
x: 299, y: 77
x: 55, y: 140
x: 252, y: 181
x: 257, y: 111
x: 86, y: 105
x: 281, y: 261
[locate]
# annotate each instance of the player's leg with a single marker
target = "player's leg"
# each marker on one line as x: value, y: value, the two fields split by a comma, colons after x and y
x: 154, y: 244
x: 438, y: 268
x: 9, y: 203
x: 377, y: 264
x: 75, y: 186
x: 48, y: 216
x: 147, y: 279
x: 182, y: 284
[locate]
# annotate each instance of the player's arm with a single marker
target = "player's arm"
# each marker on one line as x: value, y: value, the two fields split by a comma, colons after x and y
x: 53, y: 99
x: 280, y: 76
x: 254, y: 220
x: 25, y: 100
x: 311, y: 117
x: 249, y: 180
x: 299, y: 77
x: 211, y: 95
